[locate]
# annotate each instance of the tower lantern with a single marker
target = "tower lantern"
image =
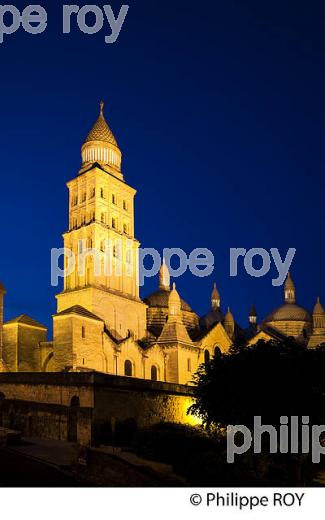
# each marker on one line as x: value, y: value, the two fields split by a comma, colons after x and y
x: 289, y: 290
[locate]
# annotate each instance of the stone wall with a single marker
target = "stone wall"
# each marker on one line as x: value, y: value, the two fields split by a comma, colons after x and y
x: 81, y: 406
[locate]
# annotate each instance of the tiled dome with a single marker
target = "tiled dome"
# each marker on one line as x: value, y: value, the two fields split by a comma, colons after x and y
x: 160, y: 299
x: 289, y: 312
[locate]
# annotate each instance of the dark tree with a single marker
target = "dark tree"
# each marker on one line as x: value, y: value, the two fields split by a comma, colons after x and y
x: 269, y: 379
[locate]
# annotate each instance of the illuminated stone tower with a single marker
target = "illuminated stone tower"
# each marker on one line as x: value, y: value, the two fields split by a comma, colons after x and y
x: 101, y: 236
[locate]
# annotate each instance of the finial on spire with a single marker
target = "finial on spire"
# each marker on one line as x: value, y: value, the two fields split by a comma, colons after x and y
x: 174, y: 286
x: 102, y: 105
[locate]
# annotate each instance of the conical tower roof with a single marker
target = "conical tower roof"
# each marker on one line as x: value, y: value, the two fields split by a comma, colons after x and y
x: 252, y: 311
x: 289, y: 284
x: 319, y: 309
x: 229, y: 317
x: 101, y: 131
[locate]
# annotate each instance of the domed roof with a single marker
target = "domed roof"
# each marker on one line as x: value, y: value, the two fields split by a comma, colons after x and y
x: 289, y: 312
x: 160, y: 298
x: 101, y: 131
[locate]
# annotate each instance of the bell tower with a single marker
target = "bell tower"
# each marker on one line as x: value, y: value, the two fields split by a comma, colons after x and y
x: 101, y: 237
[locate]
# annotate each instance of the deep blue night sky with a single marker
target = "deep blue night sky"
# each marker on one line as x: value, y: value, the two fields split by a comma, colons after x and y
x: 218, y: 107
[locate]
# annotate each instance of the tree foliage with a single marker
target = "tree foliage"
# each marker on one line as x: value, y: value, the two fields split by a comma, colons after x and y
x: 270, y: 379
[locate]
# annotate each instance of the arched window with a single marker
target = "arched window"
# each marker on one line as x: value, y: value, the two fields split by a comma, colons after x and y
x: 128, y: 371
x: 206, y: 357
x: 217, y: 352
x: 83, y: 332
x: 189, y: 365
x: 154, y: 373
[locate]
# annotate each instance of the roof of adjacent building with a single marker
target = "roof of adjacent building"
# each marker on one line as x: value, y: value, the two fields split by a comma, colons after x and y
x: 26, y: 320
x: 209, y: 320
x: 101, y: 131
x: 289, y: 312
x: 80, y: 311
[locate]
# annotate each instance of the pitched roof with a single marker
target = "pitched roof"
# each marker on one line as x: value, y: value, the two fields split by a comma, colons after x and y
x: 26, y: 320
x: 80, y: 311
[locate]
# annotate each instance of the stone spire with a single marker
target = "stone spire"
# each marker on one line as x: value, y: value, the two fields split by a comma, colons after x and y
x: 289, y: 290
x: 229, y: 324
x: 215, y: 298
x: 164, y: 277
x: 101, y: 147
x: 174, y: 331
x: 174, y: 305
x: 318, y: 318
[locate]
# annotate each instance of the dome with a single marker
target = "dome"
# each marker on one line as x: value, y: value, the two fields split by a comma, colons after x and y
x: 289, y: 312
x: 160, y: 298
x: 158, y: 310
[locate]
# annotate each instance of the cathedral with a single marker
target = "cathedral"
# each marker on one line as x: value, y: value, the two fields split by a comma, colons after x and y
x: 103, y: 325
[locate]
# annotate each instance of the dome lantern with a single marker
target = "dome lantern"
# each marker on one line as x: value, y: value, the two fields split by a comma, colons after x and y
x: 318, y: 318
x: 289, y: 290
x: 215, y: 298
